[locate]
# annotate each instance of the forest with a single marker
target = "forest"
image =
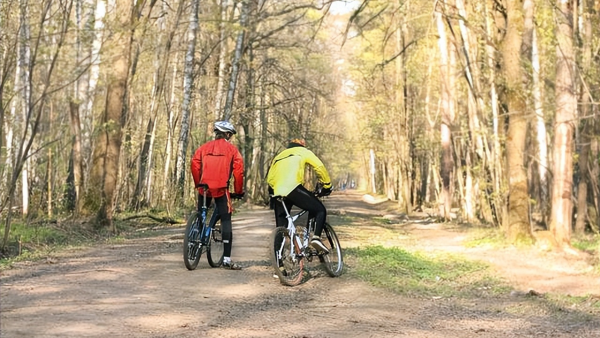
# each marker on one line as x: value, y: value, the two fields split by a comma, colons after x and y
x: 484, y: 112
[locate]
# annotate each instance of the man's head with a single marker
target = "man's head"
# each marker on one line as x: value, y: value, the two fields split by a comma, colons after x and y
x: 297, y: 142
x: 224, y: 129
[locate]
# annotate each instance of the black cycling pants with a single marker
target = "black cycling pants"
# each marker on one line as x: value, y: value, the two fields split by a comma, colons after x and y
x: 225, y: 217
x: 306, y: 200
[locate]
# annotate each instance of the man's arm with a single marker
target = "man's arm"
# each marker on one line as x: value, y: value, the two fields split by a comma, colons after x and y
x: 320, y: 170
x: 196, y: 165
x: 238, y: 173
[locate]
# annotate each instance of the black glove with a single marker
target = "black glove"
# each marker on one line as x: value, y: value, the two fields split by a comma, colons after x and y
x: 237, y: 196
x: 324, y: 192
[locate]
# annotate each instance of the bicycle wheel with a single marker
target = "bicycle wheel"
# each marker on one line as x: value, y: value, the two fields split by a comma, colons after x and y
x: 289, y: 269
x: 332, y: 261
x: 215, y: 249
x: 192, y: 248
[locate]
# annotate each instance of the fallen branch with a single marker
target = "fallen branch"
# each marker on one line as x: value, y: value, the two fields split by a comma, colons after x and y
x: 167, y: 220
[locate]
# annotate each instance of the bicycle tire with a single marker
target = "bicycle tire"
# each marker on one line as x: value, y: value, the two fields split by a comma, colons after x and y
x: 288, y: 270
x: 332, y: 261
x: 192, y: 248
x: 215, y: 249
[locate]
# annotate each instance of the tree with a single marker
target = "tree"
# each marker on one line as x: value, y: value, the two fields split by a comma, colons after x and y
x: 33, y: 107
x: 447, y: 111
x: 517, y: 227
x: 584, y: 164
x: 564, y: 126
x: 235, y: 63
x: 188, y: 88
x: 105, y: 160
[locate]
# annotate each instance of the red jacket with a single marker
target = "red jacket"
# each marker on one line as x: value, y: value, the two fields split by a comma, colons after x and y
x: 214, y: 163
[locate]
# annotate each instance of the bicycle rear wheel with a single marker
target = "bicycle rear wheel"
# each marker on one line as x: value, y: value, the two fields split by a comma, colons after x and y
x: 215, y: 249
x: 332, y: 261
x: 192, y: 248
x: 289, y: 269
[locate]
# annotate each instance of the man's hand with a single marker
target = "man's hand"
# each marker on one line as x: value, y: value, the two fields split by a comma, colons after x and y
x: 324, y: 192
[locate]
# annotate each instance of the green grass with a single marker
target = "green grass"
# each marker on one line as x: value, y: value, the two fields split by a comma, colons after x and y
x: 486, y: 237
x: 419, y: 274
x: 30, y: 242
x: 587, y: 243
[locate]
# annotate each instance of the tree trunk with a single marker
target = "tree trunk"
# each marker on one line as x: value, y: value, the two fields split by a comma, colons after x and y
x: 87, y: 118
x: 402, y: 176
x: 170, y: 135
x: 518, y: 227
x: 564, y: 127
x: 587, y: 130
x: 235, y: 63
x: 595, y: 177
x: 104, y: 176
x: 222, y: 60
x: 497, y: 203
x: 25, y: 61
x: 447, y: 106
x: 188, y: 87
x: 76, y: 159
x: 540, y: 129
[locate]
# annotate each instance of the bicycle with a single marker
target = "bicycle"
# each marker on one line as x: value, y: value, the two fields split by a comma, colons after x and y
x: 203, y: 234
x: 289, y: 248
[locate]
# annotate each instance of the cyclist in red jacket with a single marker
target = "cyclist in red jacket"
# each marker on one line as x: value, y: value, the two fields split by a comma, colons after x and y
x: 214, y: 163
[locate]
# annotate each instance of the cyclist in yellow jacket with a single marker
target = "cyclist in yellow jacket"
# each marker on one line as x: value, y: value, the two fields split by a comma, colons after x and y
x: 286, y: 178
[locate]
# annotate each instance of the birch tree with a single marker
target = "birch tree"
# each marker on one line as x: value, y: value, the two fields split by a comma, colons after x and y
x: 222, y: 60
x: 25, y: 96
x: 235, y: 63
x: 188, y: 87
x: 34, y: 107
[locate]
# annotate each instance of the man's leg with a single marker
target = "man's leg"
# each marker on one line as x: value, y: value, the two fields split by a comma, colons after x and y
x: 222, y: 204
x: 305, y: 199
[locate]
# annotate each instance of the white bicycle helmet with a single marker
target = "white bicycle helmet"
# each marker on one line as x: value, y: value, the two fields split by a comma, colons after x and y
x: 225, y: 127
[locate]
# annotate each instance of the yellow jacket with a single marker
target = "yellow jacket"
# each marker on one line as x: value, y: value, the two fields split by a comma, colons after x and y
x: 287, y: 170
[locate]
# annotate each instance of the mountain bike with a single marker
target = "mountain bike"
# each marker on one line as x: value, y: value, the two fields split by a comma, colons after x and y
x: 289, y: 248
x: 203, y: 234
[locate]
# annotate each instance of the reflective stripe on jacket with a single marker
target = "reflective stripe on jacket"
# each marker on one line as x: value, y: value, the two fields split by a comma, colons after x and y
x: 287, y: 170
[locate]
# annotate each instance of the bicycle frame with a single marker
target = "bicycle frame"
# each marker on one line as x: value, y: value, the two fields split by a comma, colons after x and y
x: 207, y: 225
x: 290, y: 247
x: 298, y: 245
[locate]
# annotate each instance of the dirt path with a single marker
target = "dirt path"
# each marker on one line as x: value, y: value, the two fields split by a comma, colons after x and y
x: 140, y: 288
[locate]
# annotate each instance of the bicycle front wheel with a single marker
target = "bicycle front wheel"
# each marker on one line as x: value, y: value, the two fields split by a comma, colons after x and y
x: 288, y: 267
x: 332, y: 261
x: 192, y: 247
x: 215, y: 249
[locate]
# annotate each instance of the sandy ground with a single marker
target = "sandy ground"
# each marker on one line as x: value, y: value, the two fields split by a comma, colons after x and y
x: 140, y: 288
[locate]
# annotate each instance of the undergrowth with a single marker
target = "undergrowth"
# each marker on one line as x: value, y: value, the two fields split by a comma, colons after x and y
x: 38, y: 240
x: 420, y: 274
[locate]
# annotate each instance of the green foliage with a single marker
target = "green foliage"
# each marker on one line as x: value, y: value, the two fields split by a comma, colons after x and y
x: 421, y: 274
